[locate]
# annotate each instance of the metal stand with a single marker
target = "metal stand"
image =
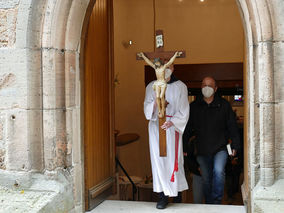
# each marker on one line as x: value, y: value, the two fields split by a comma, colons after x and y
x: 134, y: 188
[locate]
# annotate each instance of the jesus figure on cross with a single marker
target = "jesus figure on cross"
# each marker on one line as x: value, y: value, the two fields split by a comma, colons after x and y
x: 160, y: 84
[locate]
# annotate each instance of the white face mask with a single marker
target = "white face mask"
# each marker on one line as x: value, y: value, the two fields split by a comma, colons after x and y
x: 168, y: 73
x: 207, y: 91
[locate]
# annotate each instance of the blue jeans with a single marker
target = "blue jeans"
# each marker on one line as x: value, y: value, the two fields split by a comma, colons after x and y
x: 213, y: 176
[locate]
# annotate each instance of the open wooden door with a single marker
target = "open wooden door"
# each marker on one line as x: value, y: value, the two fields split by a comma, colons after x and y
x: 98, y: 106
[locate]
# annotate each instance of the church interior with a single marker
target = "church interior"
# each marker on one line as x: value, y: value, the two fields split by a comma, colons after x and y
x: 212, y: 35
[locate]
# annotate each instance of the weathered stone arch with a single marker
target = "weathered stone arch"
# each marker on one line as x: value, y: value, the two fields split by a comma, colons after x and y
x: 64, y: 31
x: 258, y: 18
x: 49, y: 38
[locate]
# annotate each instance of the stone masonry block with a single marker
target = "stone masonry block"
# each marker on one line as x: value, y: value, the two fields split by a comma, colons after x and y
x: 24, y: 141
x: 265, y: 72
x: 69, y: 137
x: 252, y: 23
x: 71, y: 80
x: 267, y: 135
x: 29, y: 24
x: 255, y: 174
x: 277, y: 14
x: 265, y: 206
x: 8, y: 19
x: 35, y: 141
x: 260, y: 24
x: 29, y: 28
x: 17, y: 141
x: 265, y: 25
x: 279, y: 135
x: 55, y: 138
x: 47, y: 24
x: 55, y: 24
x: 8, y: 4
x: 59, y: 24
x: 34, y: 79
x: 78, y: 81
x: 20, y: 78
x: 254, y: 78
x: 279, y: 71
x: 255, y: 141
x: 268, y: 199
x: 75, y: 24
x: 78, y: 183
x: 54, y: 79
x: 267, y: 176
x: 12, y: 179
x: 74, y: 133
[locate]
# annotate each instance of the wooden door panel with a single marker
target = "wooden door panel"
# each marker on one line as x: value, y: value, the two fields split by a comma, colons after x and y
x: 98, y: 119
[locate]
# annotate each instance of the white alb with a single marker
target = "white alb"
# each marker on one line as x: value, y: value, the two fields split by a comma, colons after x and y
x: 178, y: 112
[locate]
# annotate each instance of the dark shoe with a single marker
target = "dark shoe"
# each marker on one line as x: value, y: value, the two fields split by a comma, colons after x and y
x: 177, y: 199
x: 163, y: 201
x: 162, y: 204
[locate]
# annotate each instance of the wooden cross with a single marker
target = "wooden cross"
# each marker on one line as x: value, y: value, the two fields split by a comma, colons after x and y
x: 163, y: 55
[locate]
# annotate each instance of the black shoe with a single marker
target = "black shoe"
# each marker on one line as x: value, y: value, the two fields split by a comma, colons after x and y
x: 163, y: 202
x: 177, y: 199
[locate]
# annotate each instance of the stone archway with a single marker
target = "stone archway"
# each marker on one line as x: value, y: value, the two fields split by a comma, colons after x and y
x: 63, y: 47
x: 49, y: 35
x: 262, y: 32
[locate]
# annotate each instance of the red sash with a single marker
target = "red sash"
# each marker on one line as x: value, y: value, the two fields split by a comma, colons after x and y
x: 176, y: 153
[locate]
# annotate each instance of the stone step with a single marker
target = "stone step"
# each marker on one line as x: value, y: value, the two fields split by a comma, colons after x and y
x: 136, y: 206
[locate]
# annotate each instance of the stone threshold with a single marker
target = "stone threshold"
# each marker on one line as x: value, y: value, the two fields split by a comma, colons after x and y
x: 138, y: 206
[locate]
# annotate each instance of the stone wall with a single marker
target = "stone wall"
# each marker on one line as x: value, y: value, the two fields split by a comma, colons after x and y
x: 39, y: 108
x: 264, y: 30
x: 40, y: 131
x: 8, y: 18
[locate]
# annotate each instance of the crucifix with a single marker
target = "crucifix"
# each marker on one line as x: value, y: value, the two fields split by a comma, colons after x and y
x: 160, y: 56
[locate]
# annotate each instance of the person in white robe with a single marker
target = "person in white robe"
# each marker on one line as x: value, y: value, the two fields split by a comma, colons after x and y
x: 168, y: 172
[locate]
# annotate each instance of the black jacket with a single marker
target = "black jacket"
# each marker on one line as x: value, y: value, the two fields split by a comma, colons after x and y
x: 212, y: 124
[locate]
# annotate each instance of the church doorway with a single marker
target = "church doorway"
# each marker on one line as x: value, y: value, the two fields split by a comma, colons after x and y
x: 110, y: 57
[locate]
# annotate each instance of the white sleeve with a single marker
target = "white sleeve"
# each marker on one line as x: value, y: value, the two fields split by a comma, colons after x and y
x: 149, y: 102
x: 180, y: 118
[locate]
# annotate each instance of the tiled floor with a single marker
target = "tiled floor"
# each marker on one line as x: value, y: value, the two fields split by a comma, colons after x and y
x: 113, y: 206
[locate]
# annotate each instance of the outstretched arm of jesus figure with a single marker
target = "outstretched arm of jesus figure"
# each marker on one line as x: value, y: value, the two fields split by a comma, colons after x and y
x: 173, y: 59
x: 148, y: 61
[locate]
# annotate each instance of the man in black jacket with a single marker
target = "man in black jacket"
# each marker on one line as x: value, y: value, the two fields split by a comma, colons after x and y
x: 213, y: 122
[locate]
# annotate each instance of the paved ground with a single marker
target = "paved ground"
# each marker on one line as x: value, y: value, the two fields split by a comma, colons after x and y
x: 134, y: 206
x: 16, y: 200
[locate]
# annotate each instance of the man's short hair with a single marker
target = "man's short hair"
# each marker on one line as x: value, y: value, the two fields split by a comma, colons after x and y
x: 212, y: 79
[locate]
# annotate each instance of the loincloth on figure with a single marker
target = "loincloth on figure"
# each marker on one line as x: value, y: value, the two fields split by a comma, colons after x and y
x: 159, y: 83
